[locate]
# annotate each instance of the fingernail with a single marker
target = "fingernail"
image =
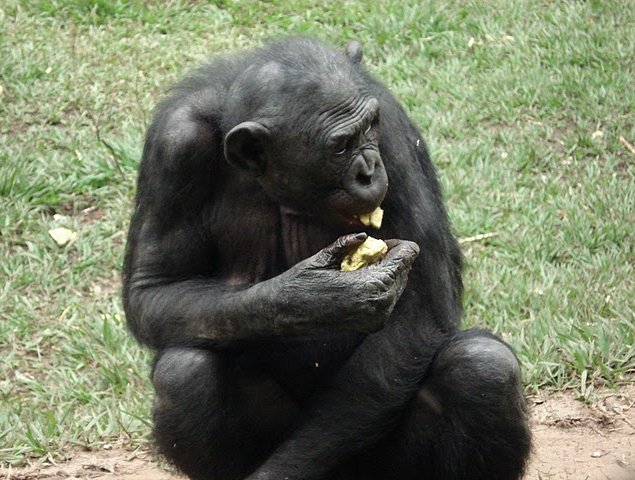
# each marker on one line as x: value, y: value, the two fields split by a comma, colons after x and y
x: 361, y: 236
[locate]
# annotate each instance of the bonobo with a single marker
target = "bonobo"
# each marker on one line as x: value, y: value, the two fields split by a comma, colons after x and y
x: 271, y: 362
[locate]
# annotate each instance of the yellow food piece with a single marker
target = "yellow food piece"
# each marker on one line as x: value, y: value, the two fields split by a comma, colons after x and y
x: 62, y: 236
x: 371, y: 251
x: 372, y: 219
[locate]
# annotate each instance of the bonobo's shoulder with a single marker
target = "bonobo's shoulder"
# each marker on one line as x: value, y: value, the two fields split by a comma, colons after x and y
x: 204, y: 88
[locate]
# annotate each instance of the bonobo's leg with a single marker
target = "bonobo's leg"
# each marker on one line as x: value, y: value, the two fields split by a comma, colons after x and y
x: 216, y: 416
x: 468, y: 420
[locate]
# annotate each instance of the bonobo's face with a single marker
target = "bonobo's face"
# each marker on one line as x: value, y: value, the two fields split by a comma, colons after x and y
x: 353, y: 170
x: 325, y: 164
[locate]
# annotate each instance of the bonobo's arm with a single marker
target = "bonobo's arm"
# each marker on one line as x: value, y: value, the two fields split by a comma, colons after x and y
x: 164, y: 310
x: 172, y: 293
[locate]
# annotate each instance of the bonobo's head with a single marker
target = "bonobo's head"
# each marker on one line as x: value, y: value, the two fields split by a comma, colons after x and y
x: 307, y: 128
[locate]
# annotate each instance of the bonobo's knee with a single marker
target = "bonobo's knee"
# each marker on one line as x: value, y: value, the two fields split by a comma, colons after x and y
x: 182, y: 371
x: 474, y: 391
x: 478, y: 361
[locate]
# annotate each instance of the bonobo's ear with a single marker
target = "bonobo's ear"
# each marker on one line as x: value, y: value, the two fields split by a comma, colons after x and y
x: 245, y: 146
x: 354, y: 51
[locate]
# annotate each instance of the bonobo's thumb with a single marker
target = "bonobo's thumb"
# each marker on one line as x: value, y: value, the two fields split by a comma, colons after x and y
x: 332, y: 255
x: 401, y: 254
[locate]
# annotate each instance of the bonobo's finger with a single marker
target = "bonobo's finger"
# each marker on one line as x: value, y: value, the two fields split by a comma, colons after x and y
x: 332, y: 255
x: 401, y: 254
x: 393, y: 242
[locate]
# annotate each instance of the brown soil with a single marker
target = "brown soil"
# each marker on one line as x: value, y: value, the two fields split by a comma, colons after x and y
x: 573, y: 441
x: 576, y: 441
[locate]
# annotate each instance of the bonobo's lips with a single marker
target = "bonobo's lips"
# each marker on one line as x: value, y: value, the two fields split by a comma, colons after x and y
x: 350, y: 220
x: 333, y: 218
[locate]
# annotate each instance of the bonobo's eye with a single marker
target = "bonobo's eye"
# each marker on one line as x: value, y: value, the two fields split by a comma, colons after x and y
x: 372, y: 125
x: 370, y: 132
x: 341, y: 146
x: 375, y: 121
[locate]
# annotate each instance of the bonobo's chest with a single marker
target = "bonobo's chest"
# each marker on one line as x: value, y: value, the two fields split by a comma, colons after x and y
x: 303, y: 236
x: 254, y: 239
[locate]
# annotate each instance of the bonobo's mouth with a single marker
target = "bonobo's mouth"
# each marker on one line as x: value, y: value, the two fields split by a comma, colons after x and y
x: 354, y: 222
x: 340, y: 210
x: 349, y: 220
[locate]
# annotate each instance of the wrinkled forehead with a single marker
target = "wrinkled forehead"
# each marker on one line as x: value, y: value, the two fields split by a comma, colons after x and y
x: 331, y: 98
x: 338, y: 109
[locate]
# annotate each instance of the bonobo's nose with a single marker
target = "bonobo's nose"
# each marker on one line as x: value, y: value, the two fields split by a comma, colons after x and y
x: 365, y: 169
x: 366, y: 179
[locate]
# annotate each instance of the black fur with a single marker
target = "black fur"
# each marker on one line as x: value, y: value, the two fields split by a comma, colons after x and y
x: 271, y: 363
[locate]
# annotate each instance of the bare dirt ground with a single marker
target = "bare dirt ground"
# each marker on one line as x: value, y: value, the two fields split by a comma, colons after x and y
x: 573, y: 441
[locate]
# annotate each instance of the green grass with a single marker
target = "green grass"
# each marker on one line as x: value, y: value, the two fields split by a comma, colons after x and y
x: 523, y: 105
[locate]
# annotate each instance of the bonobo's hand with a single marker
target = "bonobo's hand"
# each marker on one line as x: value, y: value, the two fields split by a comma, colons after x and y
x: 315, y: 293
